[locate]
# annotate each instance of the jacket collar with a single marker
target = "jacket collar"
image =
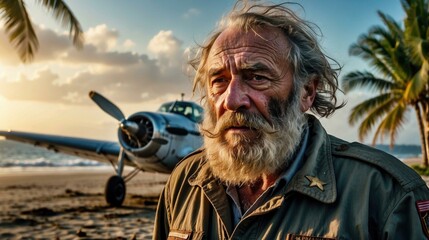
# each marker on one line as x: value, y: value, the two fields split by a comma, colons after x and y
x: 318, y: 164
x: 214, y: 191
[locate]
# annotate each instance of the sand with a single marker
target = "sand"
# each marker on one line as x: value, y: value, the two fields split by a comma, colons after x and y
x: 412, y: 161
x: 58, y: 204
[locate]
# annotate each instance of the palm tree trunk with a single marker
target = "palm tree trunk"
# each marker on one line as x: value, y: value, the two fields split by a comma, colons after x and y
x: 423, y: 135
x: 426, y: 132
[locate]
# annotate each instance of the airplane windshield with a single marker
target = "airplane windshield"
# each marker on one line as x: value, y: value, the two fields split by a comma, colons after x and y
x: 188, y: 109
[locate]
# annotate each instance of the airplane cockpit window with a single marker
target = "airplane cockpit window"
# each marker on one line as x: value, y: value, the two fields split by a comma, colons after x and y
x: 164, y: 107
x: 198, y: 114
x: 188, y: 109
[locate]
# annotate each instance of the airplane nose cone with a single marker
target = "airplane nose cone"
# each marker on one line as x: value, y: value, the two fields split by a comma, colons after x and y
x: 130, y: 127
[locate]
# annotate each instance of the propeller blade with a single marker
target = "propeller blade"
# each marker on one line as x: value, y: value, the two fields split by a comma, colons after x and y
x: 106, y: 105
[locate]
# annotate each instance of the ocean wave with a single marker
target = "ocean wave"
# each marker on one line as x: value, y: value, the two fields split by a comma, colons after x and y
x: 20, y: 155
x: 42, y: 162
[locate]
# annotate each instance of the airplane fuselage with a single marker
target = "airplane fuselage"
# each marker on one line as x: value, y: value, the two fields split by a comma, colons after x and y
x: 178, y: 136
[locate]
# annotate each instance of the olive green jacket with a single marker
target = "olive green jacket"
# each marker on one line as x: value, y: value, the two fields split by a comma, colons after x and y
x: 357, y: 192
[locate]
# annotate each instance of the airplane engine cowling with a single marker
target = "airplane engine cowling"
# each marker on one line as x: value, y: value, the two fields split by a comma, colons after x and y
x: 144, y: 143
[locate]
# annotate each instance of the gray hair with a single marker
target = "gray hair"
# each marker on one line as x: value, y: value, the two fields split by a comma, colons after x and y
x: 305, y: 56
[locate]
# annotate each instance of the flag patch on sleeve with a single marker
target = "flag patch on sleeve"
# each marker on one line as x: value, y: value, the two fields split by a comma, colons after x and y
x: 423, y: 209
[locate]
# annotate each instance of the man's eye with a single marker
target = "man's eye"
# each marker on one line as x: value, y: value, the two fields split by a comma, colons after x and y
x: 259, y: 82
x: 259, y: 78
x: 217, y: 81
x: 218, y: 85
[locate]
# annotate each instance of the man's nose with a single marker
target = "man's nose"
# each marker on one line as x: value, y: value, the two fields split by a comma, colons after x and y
x: 236, y: 95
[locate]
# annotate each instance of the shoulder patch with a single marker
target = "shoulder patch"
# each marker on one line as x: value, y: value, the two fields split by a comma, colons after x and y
x: 406, y: 176
x: 423, y: 209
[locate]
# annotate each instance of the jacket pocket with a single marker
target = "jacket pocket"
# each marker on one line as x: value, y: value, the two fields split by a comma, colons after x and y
x: 305, y: 237
x: 184, y: 235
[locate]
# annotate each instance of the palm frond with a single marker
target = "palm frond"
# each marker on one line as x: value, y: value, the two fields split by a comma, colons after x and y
x: 374, y: 116
x: 417, y: 18
x: 405, y: 5
x: 368, y: 106
x: 380, y: 62
x: 382, y: 32
x: 19, y: 28
x: 417, y: 83
x: 393, y: 26
x: 358, y: 79
x: 391, y: 124
x: 419, y: 49
x: 389, y: 50
x: 381, y: 47
x: 392, y: 49
x: 63, y: 13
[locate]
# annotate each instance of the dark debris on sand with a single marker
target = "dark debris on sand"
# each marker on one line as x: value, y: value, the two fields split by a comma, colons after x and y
x: 40, y: 212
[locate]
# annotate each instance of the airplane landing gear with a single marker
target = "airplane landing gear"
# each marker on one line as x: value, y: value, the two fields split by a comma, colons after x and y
x: 115, y: 191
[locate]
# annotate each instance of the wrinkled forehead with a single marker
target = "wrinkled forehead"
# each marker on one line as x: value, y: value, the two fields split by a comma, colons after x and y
x: 262, y: 47
x: 269, y: 39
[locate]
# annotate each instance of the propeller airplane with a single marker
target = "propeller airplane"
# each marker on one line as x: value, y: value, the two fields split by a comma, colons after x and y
x: 147, y: 141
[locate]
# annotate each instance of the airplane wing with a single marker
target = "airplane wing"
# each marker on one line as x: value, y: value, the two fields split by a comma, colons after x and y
x: 98, y: 150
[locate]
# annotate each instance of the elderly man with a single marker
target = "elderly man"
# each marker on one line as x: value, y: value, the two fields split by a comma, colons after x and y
x: 267, y: 169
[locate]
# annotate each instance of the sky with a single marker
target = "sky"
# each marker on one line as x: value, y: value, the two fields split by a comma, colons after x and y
x: 135, y: 54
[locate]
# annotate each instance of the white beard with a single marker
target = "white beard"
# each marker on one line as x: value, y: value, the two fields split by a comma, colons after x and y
x: 242, y: 160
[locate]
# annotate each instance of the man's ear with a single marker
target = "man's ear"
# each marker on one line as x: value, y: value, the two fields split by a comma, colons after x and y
x: 308, y: 94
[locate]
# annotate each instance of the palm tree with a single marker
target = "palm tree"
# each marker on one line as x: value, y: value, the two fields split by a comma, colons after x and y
x: 20, y: 29
x: 401, y: 79
x: 417, y: 40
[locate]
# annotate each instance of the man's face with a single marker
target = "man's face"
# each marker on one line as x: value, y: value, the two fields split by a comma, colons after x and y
x: 245, y: 71
x: 254, y: 119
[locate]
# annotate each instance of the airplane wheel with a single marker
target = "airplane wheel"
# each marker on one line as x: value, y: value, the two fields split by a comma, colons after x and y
x: 115, y: 191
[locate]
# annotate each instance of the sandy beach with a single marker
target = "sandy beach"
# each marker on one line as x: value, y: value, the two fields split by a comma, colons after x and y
x: 59, y: 204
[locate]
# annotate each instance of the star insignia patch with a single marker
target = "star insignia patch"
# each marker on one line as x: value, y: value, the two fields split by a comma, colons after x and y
x: 423, y: 209
x: 316, y: 182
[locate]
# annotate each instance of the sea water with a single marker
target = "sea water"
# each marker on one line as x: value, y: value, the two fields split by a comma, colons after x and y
x: 15, y: 156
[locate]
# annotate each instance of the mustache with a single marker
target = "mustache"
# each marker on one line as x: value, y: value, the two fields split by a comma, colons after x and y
x: 228, y: 120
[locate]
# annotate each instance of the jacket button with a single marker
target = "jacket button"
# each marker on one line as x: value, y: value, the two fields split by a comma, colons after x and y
x: 342, y: 147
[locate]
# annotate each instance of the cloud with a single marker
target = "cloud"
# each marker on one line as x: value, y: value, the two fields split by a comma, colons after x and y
x: 164, y: 43
x: 192, y: 12
x: 60, y: 73
x: 90, y: 55
x: 42, y: 86
x: 168, y: 50
x: 129, y: 43
x: 102, y: 37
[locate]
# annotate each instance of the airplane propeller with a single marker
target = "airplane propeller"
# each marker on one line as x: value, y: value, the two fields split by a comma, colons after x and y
x: 107, y: 106
x: 130, y: 128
